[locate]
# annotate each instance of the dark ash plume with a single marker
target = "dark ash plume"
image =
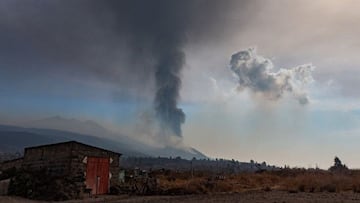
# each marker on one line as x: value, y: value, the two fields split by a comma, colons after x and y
x: 168, y: 84
x: 254, y: 73
x: 159, y: 30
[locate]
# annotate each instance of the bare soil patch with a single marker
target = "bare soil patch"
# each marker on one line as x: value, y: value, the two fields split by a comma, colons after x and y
x: 254, y: 196
x: 250, y: 196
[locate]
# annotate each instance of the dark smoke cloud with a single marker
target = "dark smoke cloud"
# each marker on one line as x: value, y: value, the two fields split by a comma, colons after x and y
x: 168, y: 84
x: 159, y: 30
x: 133, y: 44
x: 254, y: 72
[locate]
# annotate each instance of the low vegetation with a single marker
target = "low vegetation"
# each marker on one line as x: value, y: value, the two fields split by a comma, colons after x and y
x: 290, y: 180
x: 293, y: 180
x: 39, y: 185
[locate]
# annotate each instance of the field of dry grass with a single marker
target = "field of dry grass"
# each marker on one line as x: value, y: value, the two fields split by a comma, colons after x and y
x: 289, y: 180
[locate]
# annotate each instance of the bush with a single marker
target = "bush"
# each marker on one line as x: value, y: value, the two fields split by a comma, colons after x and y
x: 301, y: 188
x: 328, y: 188
x: 39, y: 185
x: 267, y: 189
x: 9, y: 173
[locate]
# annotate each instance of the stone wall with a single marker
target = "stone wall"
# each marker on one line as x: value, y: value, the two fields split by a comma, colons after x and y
x: 54, y: 158
x: 4, y: 185
x: 15, y: 163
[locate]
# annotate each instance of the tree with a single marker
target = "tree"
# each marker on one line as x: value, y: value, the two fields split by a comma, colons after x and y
x: 338, y: 166
x: 337, y: 162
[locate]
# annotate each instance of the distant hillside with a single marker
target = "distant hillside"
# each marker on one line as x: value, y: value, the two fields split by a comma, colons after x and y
x: 15, y: 139
x: 87, y: 127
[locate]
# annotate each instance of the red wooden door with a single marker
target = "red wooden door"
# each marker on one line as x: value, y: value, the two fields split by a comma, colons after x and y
x: 97, y: 175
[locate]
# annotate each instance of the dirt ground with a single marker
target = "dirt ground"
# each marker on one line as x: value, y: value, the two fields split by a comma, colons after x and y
x: 253, y: 196
x: 258, y: 197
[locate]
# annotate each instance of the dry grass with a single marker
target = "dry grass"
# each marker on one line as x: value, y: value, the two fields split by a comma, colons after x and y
x: 290, y: 180
x: 322, y: 181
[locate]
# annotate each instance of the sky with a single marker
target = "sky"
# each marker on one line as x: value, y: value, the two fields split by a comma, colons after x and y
x: 100, y: 61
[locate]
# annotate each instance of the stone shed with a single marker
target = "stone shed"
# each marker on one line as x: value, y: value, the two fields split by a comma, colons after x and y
x: 93, y: 168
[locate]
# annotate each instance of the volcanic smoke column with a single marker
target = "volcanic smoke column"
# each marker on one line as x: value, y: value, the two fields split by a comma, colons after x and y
x: 156, y: 33
x: 168, y: 83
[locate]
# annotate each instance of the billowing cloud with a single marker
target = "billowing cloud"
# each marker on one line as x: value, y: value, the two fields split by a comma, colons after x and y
x: 256, y: 74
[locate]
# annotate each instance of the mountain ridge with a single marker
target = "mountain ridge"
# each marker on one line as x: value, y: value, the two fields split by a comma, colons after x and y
x: 15, y: 138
